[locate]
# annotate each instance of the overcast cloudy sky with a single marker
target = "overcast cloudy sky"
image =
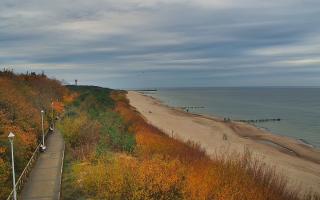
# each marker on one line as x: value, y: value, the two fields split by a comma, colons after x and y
x: 162, y: 43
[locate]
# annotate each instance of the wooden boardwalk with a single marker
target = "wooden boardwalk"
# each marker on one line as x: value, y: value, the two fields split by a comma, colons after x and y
x: 44, y: 182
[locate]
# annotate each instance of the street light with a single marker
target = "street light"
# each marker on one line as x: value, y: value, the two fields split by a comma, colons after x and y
x: 52, y: 117
x: 11, y: 136
x: 42, y: 146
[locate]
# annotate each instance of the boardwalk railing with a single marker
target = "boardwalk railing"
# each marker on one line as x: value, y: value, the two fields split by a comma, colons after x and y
x: 26, y: 171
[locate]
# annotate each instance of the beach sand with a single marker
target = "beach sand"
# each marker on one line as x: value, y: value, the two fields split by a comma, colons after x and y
x: 298, y: 162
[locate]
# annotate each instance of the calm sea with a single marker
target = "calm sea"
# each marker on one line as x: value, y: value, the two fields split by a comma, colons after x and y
x: 299, y: 108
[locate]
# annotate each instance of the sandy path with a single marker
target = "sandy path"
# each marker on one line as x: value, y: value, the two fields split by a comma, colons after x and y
x: 298, y: 162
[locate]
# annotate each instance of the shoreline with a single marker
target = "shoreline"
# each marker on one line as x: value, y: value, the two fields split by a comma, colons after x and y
x: 266, y: 136
x: 299, y: 162
x: 246, y: 121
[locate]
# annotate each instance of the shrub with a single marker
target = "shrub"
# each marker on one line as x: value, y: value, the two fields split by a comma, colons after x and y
x: 123, y: 177
x: 152, y: 165
x: 229, y: 177
x: 81, y: 134
x: 22, y: 96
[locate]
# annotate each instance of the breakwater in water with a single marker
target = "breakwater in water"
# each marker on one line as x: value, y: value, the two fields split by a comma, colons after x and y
x: 294, y: 111
x: 260, y: 120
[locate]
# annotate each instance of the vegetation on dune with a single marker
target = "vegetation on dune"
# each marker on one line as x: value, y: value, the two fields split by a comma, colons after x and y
x: 93, y: 132
x: 122, y: 157
x: 113, y: 153
x: 21, y: 99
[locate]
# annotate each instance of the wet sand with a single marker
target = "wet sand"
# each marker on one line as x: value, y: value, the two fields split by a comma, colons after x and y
x: 297, y: 161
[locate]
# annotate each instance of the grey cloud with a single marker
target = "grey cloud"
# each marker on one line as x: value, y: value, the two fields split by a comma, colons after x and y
x: 105, y: 42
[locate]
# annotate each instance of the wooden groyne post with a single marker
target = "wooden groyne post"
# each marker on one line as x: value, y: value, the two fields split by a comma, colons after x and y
x: 261, y: 120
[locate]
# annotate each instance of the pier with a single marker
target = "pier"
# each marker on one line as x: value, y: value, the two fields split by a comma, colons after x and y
x: 146, y: 90
x: 191, y: 107
x: 187, y: 108
x: 260, y: 120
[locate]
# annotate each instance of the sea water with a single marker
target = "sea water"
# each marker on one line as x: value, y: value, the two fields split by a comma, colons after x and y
x: 298, y: 108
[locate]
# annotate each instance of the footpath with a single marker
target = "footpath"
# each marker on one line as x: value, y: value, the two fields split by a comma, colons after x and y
x: 44, y: 182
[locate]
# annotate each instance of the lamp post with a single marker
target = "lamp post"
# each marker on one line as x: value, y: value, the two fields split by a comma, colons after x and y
x: 11, y: 136
x: 43, y: 147
x: 52, y: 116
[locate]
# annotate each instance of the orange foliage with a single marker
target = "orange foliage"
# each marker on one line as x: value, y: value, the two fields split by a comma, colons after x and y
x: 4, y: 176
x: 124, y: 177
x: 221, y: 178
x: 69, y: 98
x: 151, y: 140
x: 164, y: 168
x: 21, y: 99
x: 58, y: 106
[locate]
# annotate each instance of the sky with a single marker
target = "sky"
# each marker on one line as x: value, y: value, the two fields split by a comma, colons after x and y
x: 164, y: 43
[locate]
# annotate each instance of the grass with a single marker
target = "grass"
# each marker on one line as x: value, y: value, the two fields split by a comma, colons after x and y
x: 91, y: 130
x: 68, y: 190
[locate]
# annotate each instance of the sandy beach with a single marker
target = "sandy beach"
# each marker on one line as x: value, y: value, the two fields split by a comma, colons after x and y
x: 298, y: 162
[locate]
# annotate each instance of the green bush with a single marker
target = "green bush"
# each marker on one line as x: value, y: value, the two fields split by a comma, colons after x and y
x: 91, y: 120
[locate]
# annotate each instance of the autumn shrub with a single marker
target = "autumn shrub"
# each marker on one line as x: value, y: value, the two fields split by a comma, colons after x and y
x: 95, y: 106
x: 81, y: 134
x: 4, y: 176
x: 113, y: 126
x: 22, y: 96
x: 102, y: 180
x: 135, y: 160
x: 158, y: 178
x: 124, y: 177
x: 234, y: 175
